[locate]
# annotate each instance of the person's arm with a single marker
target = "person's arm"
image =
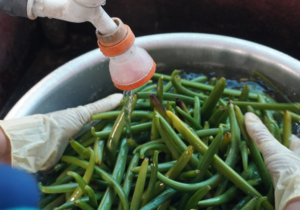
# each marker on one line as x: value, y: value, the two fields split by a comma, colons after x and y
x: 37, y: 142
x: 5, y: 148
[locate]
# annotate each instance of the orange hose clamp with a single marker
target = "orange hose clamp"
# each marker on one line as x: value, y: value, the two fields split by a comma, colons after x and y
x: 119, y: 48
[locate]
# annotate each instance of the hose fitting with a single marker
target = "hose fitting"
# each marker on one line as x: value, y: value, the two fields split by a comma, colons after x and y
x: 117, y: 42
x: 14, y: 7
x: 130, y: 66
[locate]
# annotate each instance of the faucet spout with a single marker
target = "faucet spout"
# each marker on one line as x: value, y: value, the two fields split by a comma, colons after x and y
x: 76, y: 11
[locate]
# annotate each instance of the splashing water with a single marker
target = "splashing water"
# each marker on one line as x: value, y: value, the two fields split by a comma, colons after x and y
x: 127, y: 98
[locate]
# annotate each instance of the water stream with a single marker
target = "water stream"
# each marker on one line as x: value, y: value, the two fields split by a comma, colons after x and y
x: 127, y: 98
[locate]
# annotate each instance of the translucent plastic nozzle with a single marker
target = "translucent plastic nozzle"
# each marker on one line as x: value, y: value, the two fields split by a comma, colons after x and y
x: 132, y: 69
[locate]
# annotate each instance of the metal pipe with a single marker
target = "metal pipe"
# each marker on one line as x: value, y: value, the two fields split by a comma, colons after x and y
x: 14, y: 7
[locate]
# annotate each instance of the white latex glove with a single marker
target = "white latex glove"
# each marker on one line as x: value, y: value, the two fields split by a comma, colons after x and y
x: 283, y: 164
x: 38, y: 141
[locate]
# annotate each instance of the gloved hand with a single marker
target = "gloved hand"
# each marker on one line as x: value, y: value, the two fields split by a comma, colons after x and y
x: 283, y: 164
x: 38, y: 141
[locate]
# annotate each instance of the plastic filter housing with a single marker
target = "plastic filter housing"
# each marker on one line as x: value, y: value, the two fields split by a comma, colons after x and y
x: 132, y: 69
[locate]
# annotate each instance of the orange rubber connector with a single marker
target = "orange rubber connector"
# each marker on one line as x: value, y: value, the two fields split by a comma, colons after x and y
x: 139, y: 83
x: 119, y: 48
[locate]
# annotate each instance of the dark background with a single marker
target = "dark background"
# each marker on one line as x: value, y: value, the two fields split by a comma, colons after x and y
x: 29, y: 50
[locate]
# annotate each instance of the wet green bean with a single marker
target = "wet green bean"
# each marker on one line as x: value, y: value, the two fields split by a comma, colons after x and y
x: 177, y: 141
x: 259, y: 202
x: 208, y: 156
x: 64, y: 188
x: 170, y: 97
x: 79, y: 149
x: 225, y: 142
x: 255, y: 154
x: 190, y: 119
x: 103, y: 174
x: 160, y: 90
x: 250, y: 205
x: 148, y: 88
x: 215, y: 117
x: 204, y: 137
x: 201, y: 79
x: 79, y: 180
x: 160, y: 147
x: 57, y: 202
x: 213, y: 99
x: 167, y: 87
x: 114, y: 114
x: 187, y: 175
x: 138, y: 148
x: 205, y: 87
x: 245, y: 93
x: 175, y: 170
x: 117, y: 175
x: 241, y: 203
x: 86, y: 177
x: 181, y: 89
x: 229, y: 195
x: 46, y: 200
x: 115, y: 134
x: 268, y: 106
x: 287, y: 129
x: 217, y: 162
x: 134, y: 129
x: 153, y: 179
x: 167, y: 140
x: 160, y: 199
x: 244, y: 155
x: 127, y: 183
x: 92, y: 196
x: 192, y: 203
x: 98, y: 150
x: 197, y: 109
x: 191, y: 187
x: 162, y: 167
x: 83, y: 205
x: 140, y: 184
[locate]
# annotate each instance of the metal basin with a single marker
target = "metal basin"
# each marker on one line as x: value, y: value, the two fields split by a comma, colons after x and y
x: 86, y: 78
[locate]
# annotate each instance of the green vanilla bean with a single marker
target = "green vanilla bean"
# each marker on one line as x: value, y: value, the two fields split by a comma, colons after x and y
x: 153, y: 179
x: 192, y: 203
x: 189, y: 119
x: 244, y: 155
x: 134, y: 129
x: 217, y: 162
x: 114, y: 114
x: 245, y: 93
x: 287, y: 129
x: 206, y: 87
x: 139, y: 188
x: 201, y: 79
x: 268, y: 106
x: 255, y: 154
x: 115, y: 134
x: 167, y: 87
x: 213, y: 99
x: 159, y: 107
x: 160, y: 89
